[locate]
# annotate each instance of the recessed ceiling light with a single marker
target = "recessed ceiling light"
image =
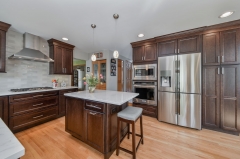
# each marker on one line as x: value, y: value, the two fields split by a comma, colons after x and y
x: 226, y: 14
x: 66, y: 39
x: 140, y: 35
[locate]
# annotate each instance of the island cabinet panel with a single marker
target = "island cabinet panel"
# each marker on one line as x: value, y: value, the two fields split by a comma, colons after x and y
x: 94, y: 129
x: 167, y: 48
x: 230, y: 46
x: 62, y: 100
x: 4, y: 109
x: 211, y: 49
x: 74, y: 121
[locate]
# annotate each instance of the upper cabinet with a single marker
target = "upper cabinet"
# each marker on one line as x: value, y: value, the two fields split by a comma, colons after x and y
x: 221, y: 47
x: 144, y: 51
x: 3, y: 29
x: 167, y: 48
x: 62, y: 54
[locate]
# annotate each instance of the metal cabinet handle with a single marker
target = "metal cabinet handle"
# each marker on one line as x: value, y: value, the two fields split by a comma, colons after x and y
x: 37, y: 104
x: 62, y: 70
x: 218, y: 59
x: 222, y: 58
x: 178, y: 50
x: 90, y: 105
x: 222, y: 70
x: 142, y: 57
x: 37, y: 96
x: 37, y: 116
x: 65, y: 70
x: 175, y: 51
x: 92, y: 113
x: 218, y: 70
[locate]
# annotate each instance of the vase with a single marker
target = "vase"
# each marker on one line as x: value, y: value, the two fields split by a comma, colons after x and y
x: 91, y: 89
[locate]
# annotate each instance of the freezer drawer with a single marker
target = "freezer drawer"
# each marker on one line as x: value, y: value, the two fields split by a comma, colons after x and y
x: 167, y: 111
x: 189, y: 113
x: 189, y: 73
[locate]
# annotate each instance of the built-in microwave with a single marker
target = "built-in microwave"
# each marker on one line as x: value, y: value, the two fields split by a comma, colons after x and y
x: 145, y: 72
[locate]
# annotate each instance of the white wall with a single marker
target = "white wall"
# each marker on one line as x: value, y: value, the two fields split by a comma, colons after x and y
x: 78, y: 54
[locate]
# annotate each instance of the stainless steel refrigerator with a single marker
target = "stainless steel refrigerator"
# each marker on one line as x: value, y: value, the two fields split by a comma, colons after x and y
x: 179, y: 90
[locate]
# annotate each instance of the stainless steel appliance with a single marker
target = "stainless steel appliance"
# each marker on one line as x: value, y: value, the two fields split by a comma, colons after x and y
x: 179, y: 90
x: 145, y: 72
x: 30, y: 89
x: 147, y: 92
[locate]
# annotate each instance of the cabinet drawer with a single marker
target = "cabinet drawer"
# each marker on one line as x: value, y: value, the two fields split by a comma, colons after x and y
x: 95, y: 106
x: 61, y: 92
x: 21, y: 122
x: 29, y: 96
x: 32, y: 105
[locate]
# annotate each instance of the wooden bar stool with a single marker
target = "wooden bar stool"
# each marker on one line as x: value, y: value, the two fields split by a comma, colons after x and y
x: 129, y: 115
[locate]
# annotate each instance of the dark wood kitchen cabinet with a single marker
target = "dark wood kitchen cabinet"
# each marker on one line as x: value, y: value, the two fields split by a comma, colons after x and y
x: 221, y: 97
x: 4, y: 109
x: 230, y: 46
x: 62, y: 54
x: 167, y: 48
x: 74, y: 121
x: 3, y: 29
x: 144, y: 52
x: 62, y: 100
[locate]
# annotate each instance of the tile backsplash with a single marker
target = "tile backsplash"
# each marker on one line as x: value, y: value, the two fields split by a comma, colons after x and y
x: 22, y: 73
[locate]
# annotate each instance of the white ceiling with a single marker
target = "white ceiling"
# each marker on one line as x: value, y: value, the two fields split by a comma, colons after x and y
x: 72, y: 19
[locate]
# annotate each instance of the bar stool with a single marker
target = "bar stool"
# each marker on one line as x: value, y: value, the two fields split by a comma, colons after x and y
x: 129, y: 115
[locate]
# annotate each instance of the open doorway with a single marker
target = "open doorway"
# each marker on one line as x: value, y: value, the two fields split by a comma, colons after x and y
x: 79, y: 72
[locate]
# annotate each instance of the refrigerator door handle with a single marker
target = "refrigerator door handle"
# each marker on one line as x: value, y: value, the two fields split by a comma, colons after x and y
x: 178, y: 103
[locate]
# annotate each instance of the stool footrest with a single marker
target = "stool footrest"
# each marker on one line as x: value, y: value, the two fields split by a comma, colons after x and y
x: 123, y: 149
x: 135, y: 134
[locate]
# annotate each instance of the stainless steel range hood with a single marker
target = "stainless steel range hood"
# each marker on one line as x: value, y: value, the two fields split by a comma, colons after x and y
x: 31, y: 50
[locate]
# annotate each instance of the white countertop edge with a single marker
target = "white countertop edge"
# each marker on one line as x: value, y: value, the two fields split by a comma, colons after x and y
x: 74, y: 95
x: 8, y: 92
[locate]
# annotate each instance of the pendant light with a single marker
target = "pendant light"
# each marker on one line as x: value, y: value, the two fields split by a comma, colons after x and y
x: 93, y: 57
x: 115, y: 53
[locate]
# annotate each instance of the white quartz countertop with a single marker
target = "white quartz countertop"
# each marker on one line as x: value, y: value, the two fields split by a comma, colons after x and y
x: 105, y: 96
x: 8, y: 92
x: 10, y: 147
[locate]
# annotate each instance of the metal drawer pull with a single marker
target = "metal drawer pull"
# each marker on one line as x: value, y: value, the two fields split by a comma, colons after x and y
x: 37, y: 104
x: 37, y: 96
x: 93, y: 106
x: 92, y: 113
x: 37, y: 116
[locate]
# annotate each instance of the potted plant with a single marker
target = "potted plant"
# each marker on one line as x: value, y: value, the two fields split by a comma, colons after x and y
x: 92, y: 81
x: 54, y: 83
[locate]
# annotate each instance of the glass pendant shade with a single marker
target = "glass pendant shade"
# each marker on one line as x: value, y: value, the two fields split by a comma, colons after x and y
x: 115, y: 54
x: 93, y: 57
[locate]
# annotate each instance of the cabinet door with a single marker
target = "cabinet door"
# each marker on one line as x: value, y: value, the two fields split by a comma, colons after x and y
x: 150, y: 53
x: 67, y: 61
x: 138, y: 53
x: 58, y: 62
x: 230, y: 98
x: 74, y: 121
x: 4, y: 109
x: 211, y: 50
x: 230, y: 46
x: 167, y: 48
x: 189, y: 45
x: 94, y: 129
x: 211, y: 97
x: 2, y: 50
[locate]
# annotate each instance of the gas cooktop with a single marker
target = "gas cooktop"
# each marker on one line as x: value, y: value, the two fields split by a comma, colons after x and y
x: 30, y: 89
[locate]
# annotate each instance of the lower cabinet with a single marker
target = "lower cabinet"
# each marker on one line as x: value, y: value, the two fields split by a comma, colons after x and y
x: 94, y: 129
x: 74, y: 121
x: 4, y: 109
x: 221, y: 97
x: 147, y: 109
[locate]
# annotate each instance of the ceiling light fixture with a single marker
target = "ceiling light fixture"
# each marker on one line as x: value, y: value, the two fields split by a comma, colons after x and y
x: 93, y: 57
x: 115, y: 53
x: 64, y: 38
x: 140, y: 35
x: 226, y: 14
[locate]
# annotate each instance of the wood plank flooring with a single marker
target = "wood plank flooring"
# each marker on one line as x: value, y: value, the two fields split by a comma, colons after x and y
x: 161, y: 140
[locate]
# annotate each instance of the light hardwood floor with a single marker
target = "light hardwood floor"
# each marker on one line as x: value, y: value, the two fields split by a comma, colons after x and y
x: 161, y: 140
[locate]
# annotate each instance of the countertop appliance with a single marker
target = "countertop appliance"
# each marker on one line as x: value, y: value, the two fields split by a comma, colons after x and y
x: 147, y: 92
x: 144, y: 72
x: 30, y: 89
x: 179, y: 90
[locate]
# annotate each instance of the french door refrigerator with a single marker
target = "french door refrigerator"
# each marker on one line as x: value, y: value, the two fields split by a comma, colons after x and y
x: 179, y: 90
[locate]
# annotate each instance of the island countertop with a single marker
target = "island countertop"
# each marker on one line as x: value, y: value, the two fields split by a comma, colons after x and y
x: 105, y: 96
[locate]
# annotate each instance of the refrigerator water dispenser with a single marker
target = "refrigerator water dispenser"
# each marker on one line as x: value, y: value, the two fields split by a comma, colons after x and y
x: 165, y: 77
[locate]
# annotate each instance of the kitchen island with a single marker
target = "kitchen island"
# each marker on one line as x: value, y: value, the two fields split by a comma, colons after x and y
x: 92, y: 117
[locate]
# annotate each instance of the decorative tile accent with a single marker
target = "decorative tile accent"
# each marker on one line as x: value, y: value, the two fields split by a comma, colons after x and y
x: 22, y: 73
